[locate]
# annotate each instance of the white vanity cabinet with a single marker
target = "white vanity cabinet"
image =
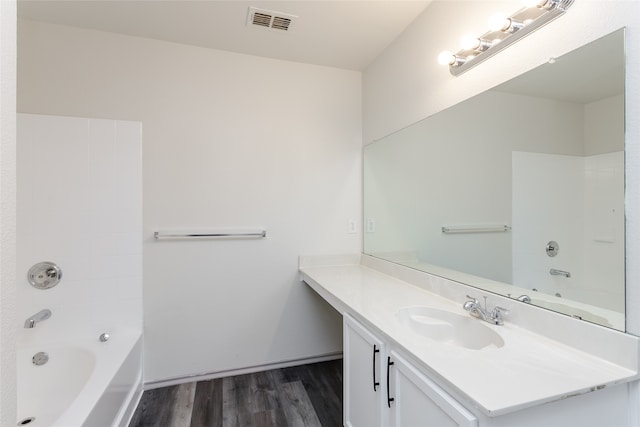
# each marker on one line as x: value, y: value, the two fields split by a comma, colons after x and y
x: 418, y: 401
x: 381, y: 388
x: 364, y: 392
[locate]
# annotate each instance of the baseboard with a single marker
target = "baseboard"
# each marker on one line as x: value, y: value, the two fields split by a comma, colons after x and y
x: 248, y: 370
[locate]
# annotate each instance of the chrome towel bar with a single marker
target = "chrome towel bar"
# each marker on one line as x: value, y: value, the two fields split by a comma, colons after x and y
x: 228, y: 234
x: 476, y: 229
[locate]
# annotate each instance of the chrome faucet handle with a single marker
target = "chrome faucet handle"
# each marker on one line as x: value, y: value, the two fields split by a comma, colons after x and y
x: 501, y: 310
x: 497, y: 314
x: 471, y: 304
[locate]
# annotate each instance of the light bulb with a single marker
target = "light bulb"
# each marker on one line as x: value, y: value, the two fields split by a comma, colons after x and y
x: 499, y: 22
x: 469, y: 41
x: 446, y: 58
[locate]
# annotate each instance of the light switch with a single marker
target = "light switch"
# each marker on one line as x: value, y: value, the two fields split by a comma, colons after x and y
x: 371, y: 225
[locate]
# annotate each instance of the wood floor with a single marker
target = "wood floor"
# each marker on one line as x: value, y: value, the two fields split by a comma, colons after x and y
x: 300, y: 396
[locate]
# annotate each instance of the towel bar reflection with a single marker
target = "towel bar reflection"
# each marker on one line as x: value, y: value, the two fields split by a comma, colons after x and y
x: 476, y: 229
x: 258, y: 234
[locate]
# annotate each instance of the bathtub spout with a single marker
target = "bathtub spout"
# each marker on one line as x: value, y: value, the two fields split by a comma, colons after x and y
x: 37, y: 318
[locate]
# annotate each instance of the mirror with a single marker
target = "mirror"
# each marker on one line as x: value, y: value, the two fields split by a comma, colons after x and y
x: 517, y: 191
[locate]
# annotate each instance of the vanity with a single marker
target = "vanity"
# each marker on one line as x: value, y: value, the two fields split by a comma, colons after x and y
x: 491, y: 288
x: 413, y: 356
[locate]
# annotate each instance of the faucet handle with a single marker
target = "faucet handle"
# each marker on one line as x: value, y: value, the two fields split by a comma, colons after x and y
x: 497, y: 313
x: 471, y: 304
x: 472, y: 299
x: 501, y: 310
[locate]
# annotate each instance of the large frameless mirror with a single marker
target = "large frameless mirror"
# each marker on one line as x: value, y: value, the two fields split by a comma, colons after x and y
x: 517, y: 191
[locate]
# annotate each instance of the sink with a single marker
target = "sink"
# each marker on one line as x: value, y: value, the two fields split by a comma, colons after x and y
x: 450, y: 328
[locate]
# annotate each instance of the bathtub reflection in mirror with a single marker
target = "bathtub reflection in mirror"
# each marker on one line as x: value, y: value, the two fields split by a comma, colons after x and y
x: 538, y: 159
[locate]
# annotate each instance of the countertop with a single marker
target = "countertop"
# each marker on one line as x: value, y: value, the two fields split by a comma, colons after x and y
x: 529, y: 370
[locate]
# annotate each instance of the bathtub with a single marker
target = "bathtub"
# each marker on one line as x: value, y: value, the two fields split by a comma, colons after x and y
x: 88, y: 383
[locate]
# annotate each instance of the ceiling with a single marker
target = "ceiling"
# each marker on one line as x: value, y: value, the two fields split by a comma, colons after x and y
x: 347, y: 34
x: 592, y: 72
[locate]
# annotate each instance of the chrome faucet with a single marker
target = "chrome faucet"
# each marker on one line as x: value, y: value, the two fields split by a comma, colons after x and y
x: 37, y: 318
x: 494, y: 316
x: 524, y: 298
x: 556, y: 272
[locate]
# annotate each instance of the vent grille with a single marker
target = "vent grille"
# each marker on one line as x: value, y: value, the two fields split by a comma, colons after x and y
x: 261, y: 19
x: 280, y: 23
x: 269, y: 19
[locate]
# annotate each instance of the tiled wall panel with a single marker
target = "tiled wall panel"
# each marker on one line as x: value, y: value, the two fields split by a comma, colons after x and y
x: 80, y: 206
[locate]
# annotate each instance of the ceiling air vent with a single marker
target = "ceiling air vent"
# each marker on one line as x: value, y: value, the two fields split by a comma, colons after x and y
x: 269, y: 19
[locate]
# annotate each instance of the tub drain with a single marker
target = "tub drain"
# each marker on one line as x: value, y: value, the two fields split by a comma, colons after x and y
x: 40, y: 358
x: 26, y: 421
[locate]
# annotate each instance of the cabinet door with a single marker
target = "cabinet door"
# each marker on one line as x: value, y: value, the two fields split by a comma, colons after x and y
x: 364, y: 389
x: 418, y: 401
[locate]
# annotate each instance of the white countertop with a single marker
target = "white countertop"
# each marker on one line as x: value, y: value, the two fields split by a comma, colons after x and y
x: 529, y: 370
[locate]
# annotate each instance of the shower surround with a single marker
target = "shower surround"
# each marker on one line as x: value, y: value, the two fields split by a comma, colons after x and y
x: 80, y: 205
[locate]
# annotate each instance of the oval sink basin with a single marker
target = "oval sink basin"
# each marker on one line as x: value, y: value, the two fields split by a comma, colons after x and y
x: 451, y: 328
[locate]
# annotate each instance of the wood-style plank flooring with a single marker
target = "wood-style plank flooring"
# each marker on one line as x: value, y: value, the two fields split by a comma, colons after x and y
x: 299, y: 396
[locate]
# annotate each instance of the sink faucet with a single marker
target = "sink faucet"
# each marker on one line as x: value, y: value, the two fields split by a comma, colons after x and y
x: 37, y: 318
x: 494, y: 316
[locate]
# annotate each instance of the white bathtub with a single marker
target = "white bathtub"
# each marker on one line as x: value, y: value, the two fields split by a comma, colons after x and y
x: 88, y: 383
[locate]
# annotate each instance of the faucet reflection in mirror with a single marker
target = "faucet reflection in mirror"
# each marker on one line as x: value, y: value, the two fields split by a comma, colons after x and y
x: 503, y: 31
x: 538, y: 166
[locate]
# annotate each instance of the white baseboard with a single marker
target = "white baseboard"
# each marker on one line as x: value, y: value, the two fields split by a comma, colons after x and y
x: 232, y: 372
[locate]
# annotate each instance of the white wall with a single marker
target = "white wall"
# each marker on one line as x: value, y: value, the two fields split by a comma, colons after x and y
x: 603, y: 125
x: 406, y: 83
x: 80, y: 206
x: 8, y: 327
x: 230, y: 140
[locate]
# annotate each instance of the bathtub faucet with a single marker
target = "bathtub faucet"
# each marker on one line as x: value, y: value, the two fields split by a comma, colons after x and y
x: 37, y: 318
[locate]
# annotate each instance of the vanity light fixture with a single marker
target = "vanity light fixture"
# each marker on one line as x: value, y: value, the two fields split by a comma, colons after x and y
x: 503, y: 31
